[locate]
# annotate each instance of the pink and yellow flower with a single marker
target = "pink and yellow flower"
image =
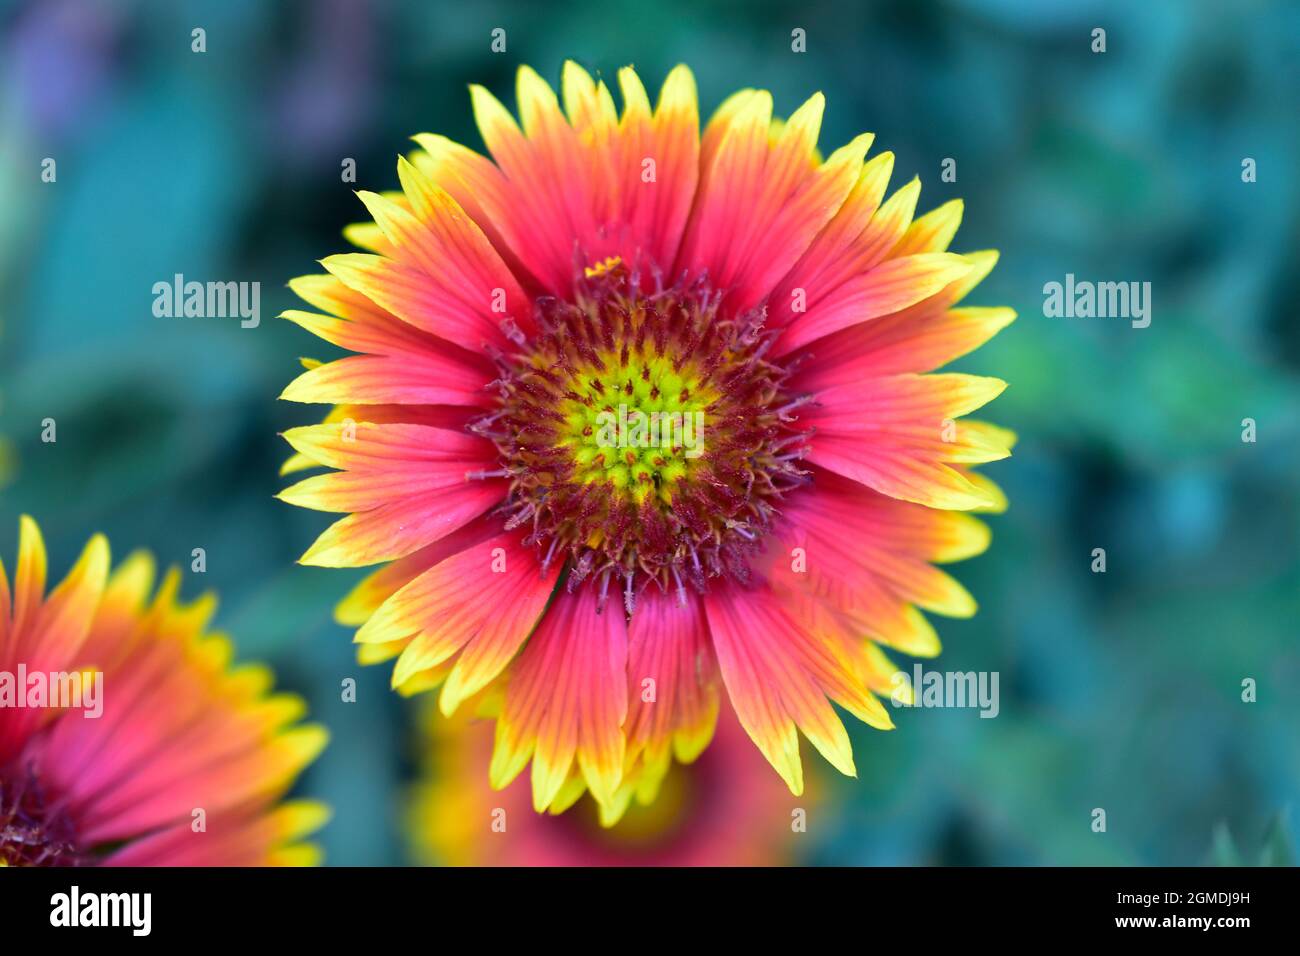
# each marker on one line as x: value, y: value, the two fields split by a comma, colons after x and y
x: 179, y: 759
x: 720, y: 810
x: 600, y: 592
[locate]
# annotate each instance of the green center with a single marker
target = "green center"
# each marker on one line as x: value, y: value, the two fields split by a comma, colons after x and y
x: 646, y: 438
x: 640, y: 426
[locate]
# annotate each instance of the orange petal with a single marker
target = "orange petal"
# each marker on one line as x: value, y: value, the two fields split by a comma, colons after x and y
x: 567, y: 699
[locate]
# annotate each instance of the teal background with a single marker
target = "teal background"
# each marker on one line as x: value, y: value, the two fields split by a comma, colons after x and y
x: 1119, y: 690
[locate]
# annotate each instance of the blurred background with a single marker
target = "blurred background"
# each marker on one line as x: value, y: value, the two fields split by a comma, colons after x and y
x: 1119, y: 690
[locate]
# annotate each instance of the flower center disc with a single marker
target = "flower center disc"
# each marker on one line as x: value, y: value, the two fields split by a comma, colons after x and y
x: 646, y: 438
x: 32, y: 832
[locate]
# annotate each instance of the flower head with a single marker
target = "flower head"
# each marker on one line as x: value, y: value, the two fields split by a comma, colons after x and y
x: 126, y: 738
x: 639, y: 415
x: 720, y: 810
